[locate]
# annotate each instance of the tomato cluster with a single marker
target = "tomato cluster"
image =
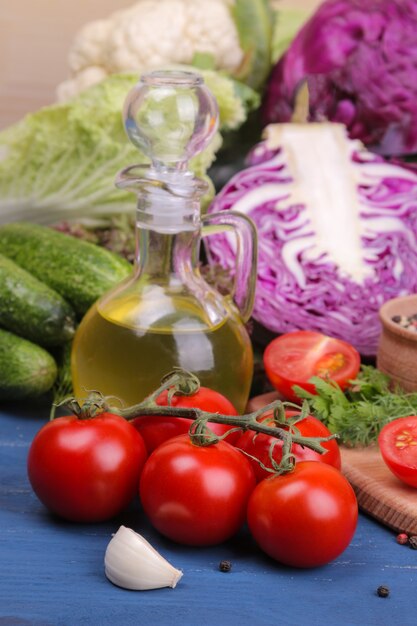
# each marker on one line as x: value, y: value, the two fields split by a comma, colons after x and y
x: 258, y: 445
x: 89, y: 470
x: 156, y: 429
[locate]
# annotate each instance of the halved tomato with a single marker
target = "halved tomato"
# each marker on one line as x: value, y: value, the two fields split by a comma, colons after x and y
x: 398, y: 445
x: 294, y: 358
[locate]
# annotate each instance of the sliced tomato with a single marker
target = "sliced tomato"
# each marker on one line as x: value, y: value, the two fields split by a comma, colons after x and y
x: 294, y: 358
x: 398, y: 445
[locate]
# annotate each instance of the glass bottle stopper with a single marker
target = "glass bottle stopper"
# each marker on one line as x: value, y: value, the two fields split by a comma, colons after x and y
x: 170, y: 116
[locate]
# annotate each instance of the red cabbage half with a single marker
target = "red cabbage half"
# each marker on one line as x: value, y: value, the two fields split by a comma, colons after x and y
x: 337, y: 229
x: 360, y: 60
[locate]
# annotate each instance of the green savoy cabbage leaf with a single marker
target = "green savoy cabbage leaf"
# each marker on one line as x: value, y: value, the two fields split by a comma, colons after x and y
x: 61, y: 161
x: 287, y: 23
x: 254, y: 22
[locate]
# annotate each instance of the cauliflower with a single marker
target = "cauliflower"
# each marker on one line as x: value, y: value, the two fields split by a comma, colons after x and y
x: 235, y: 35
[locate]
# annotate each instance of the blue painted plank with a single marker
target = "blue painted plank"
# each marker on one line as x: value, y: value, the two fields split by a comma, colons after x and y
x: 52, y: 574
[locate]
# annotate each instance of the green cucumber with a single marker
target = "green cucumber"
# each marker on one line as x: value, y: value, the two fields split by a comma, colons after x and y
x: 31, y: 309
x: 78, y: 270
x: 26, y: 370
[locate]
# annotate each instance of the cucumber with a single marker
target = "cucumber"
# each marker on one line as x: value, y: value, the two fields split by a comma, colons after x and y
x: 26, y: 370
x: 78, y: 270
x: 31, y: 309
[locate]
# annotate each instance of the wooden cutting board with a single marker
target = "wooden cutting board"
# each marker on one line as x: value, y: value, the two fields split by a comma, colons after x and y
x: 379, y: 493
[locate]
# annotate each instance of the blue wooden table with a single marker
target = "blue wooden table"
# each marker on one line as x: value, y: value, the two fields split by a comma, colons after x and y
x: 52, y: 574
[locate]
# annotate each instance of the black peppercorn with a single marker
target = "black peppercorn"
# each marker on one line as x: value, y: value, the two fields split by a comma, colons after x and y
x: 406, y: 321
x: 382, y: 591
x: 225, y: 566
x: 413, y: 542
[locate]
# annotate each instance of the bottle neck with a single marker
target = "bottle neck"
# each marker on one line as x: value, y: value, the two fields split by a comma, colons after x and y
x: 164, y: 256
x: 168, y: 231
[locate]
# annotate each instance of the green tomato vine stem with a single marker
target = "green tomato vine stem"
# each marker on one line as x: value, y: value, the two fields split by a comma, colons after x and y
x: 181, y: 382
x: 244, y: 422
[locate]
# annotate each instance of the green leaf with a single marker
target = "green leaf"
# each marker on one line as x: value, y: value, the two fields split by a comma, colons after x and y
x: 254, y: 22
x: 358, y: 415
x: 61, y: 161
x: 203, y: 61
x: 287, y: 23
x: 63, y: 387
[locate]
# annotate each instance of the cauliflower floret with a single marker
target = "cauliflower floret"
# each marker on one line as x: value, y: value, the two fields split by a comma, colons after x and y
x: 148, y: 35
x: 89, y: 44
x: 151, y: 34
x: 215, y: 32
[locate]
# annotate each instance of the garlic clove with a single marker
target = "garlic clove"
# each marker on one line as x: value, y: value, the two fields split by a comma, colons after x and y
x: 131, y: 562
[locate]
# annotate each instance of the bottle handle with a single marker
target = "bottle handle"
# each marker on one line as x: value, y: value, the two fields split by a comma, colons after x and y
x: 244, y: 242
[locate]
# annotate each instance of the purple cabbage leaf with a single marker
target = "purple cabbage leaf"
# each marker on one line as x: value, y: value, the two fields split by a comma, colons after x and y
x: 337, y: 231
x: 360, y: 61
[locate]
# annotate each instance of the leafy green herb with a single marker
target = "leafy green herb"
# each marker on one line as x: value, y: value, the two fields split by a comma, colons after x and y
x: 115, y: 232
x: 358, y: 415
x: 63, y: 383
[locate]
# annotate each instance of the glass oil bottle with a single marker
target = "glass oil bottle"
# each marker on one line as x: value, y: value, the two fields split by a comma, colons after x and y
x: 165, y: 314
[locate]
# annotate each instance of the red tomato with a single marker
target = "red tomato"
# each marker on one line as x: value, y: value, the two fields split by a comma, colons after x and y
x: 398, y: 445
x: 305, y: 518
x: 156, y: 429
x: 196, y: 495
x: 86, y: 470
x: 294, y: 358
x: 258, y: 445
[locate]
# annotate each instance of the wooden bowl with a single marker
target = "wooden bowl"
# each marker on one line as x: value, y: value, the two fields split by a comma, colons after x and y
x: 397, y: 349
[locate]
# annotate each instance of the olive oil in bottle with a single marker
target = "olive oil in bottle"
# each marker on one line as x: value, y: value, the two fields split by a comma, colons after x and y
x: 128, y: 361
